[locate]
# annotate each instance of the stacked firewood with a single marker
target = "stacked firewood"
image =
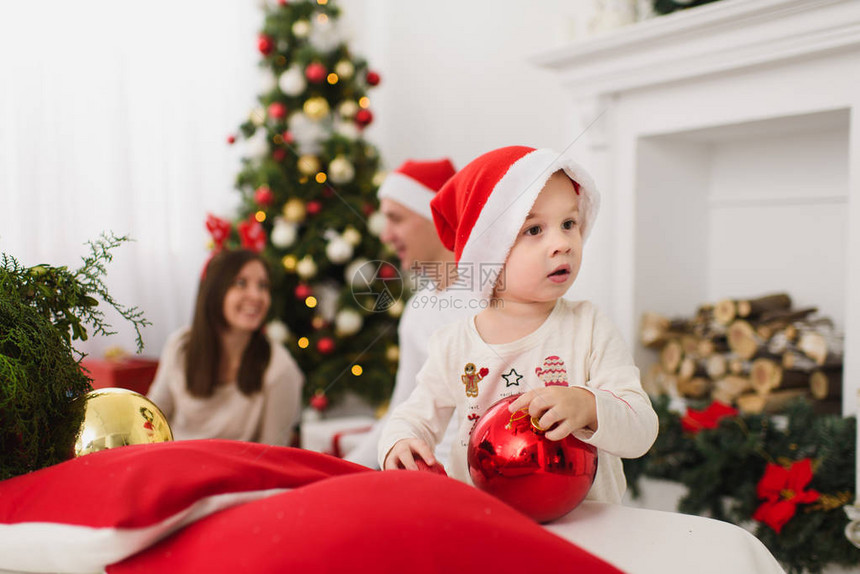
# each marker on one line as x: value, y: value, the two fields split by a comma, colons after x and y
x: 757, y: 354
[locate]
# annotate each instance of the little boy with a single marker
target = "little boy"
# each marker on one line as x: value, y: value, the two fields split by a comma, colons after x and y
x: 531, y: 211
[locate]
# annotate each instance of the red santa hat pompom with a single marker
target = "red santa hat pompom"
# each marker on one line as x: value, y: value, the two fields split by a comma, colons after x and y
x: 479, y: 211
x: 415, y: 183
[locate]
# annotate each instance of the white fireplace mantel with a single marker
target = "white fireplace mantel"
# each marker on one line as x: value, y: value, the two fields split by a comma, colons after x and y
x: 722, y: 36
x: 687, y: 94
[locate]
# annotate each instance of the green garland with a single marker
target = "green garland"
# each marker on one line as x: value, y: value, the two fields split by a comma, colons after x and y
x: 42, y: 309
x: 722, y: 468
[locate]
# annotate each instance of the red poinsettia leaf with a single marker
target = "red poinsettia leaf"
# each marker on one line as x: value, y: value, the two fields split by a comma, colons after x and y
x: 773, y: 482
x: 775, y: 514
x: 799, y: 475
x: 719, y: 410
x: 807, y: 497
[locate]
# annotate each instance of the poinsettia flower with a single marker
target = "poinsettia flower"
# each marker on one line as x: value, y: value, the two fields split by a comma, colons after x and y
x: 783, y: 489
x: 252, y: 234
x: 708, y: 418
x: 219, y: 229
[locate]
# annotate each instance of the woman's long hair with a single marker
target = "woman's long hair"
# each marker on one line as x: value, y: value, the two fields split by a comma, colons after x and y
x: 202, y: 346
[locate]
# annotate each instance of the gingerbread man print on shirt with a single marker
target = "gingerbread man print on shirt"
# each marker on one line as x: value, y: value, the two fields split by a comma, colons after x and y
x: 553, y: 372
x: 471, y: 377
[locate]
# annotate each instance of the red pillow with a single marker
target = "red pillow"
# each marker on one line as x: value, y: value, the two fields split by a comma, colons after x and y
x: 393, y: 521
x: 80, y: 515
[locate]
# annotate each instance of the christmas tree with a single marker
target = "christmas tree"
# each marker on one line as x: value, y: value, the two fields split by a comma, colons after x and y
x: 308, y: 186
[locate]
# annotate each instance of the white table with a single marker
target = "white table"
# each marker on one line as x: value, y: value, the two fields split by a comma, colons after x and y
x: 641, y: 541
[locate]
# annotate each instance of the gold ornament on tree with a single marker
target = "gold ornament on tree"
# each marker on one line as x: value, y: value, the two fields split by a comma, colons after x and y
x: 316, y: 108
x: 308, y: 164
x: 294, y: 209
x: 289, y: 262
x: 119, y: 417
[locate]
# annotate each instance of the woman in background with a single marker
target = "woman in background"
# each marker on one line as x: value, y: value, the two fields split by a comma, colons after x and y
x: 222, y: 377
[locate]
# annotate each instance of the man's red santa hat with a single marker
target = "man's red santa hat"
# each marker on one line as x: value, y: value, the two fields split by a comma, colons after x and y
x: 415, y: 183
x: 479, y: 211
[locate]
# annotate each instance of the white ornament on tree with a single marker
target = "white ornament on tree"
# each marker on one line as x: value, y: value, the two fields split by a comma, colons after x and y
x: 308, y: 134
x: 376, y: 223
x: 347, y: 322
x: 344, y: 69
x: 301, y: 28
x: 347, y: 130
x: 292, y: 81
x: 324, y: 36
x: 267, y: 80
x: 306, y: 267
x: 258, y: 116
x: 327, y: 294
x: 283, y: 233
x: 354, y: 276
x: 338, y: 251
x: 277, y: 331
x: 348, y: 109
x: 257, y: 146
x: 340, y: 170
x: 351, y: 235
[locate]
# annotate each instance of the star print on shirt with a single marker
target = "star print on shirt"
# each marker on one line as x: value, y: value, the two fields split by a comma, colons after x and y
x: 513, y: 374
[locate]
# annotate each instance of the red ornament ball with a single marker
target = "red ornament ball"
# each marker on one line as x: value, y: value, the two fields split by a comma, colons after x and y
x: 367, y: 209
x: 325, y: 345
x: 231, y: 139
x: 277, y: 111
x: 288, y: 138
x: 510, y: 458
x: 388, y: 271
x: 278, y: 155
x: 264, y: 196
x: 303, y: 291
x: 315, y: 73
x: 363, y: 117
x: 313, y: 207
x: 319, y: 401
x: 265, y: 44
x: 372, y: 78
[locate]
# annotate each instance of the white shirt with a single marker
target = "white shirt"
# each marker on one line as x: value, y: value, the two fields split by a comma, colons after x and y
x: 426, y: 311
x: 576, y: 346
x: 266, y: 416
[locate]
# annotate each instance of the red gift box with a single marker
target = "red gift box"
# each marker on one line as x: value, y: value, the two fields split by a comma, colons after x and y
x: 133, y: 373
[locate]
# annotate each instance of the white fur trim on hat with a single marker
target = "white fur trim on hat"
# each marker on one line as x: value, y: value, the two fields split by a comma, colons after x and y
x: 510, y: 202
x: 409, y: 192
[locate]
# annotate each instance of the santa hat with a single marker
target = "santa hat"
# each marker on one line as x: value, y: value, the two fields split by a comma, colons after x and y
x: 415, y: 183
x: 479, y: 211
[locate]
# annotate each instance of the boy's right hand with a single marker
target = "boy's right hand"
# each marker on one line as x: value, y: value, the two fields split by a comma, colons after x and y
x: 402, y: 454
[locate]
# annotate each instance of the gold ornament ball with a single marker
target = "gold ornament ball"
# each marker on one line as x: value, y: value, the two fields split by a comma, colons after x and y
x: 379, y: 177
x: 294, y: 209
x: 344, y: 69
x: 289, y: 262
x: 118, y: 417
x: 316, y: 108
x: 317, y: 322
x: 396, y: 309
x: 392, y: 353
x: 309, y: 164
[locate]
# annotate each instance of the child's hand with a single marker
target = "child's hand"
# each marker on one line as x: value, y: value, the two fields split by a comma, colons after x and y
x: 402, y: 454
x: 572, y: 408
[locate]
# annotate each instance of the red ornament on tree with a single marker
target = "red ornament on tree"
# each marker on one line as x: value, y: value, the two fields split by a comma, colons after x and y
x: 388, y: 271
x: 372, y: 78
x: 510, y: 457
x: 278, y: 155
x: 315, y: 73
x: 319, y: 401
x: 325, y: 345
x: 288, y: 138
x: 313, y: 207
x: 277, y: 111
x: 264, y: 196
x: 367, y: 209
x: 363, y: 118
x: 265, y: 44
x: 303, y: 291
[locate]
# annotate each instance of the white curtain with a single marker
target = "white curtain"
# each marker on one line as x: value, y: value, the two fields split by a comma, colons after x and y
x: 114, y: 116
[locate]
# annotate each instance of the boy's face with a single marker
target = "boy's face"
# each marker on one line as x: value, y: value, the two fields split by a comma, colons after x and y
x: 547, y: 254
x: 410, y: 235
